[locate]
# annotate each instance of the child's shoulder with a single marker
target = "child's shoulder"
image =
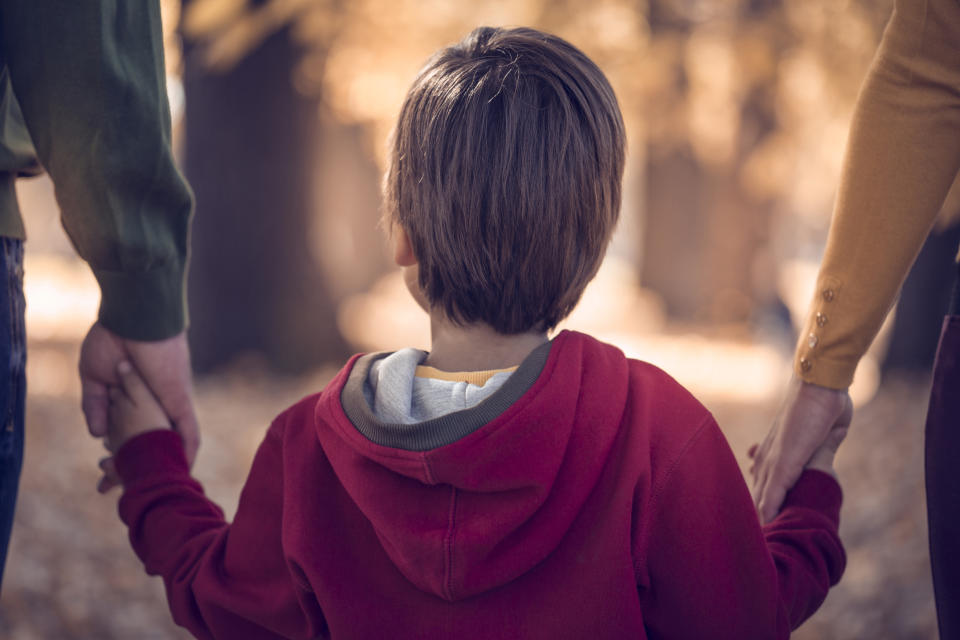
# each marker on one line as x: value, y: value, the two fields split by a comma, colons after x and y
x: 654, y: 402
x: 300, y: 411
x: 304, y: 411
x: 670, y: 410
x: 604, y: 368
x: 662, y: 390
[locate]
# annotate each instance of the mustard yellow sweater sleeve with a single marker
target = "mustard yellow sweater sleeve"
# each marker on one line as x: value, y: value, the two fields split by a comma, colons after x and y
x: 902, y: 156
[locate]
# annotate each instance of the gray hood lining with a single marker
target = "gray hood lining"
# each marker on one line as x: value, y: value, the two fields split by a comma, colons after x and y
x: 447, y: 429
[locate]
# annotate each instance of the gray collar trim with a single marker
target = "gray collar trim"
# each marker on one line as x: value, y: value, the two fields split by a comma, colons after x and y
x: 430, y: 434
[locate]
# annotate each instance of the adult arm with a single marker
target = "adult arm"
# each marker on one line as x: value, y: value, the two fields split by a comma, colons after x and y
x: 90, y: 80
x: 902, y: 156
x: 222, y: 580
x: 706, y: 567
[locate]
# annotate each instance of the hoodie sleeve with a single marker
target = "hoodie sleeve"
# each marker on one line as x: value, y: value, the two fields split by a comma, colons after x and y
x: 89, y: 77
x: 222, y: 580
x: 711, y: 571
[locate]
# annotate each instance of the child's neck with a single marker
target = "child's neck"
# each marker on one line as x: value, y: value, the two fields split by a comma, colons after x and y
x: 477, y: 347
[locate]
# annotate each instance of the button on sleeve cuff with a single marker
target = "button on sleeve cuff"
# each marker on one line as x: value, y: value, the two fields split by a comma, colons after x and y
x: 824, y: 372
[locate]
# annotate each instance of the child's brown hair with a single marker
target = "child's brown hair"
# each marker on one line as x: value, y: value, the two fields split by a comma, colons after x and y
x: 505, y: 173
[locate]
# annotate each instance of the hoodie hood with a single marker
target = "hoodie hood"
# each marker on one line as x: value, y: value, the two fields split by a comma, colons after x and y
x: 467, y: 502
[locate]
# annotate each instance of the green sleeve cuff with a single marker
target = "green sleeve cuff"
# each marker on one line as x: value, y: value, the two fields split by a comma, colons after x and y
x: 146, y: 305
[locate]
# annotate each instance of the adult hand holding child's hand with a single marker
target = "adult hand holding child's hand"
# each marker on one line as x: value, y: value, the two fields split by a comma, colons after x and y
x: 822, y: 459
x: 163, y: 365
x: 810, y: 426
x: 133, y: 410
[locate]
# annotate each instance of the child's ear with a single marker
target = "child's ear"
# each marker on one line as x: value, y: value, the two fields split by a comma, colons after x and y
x: 402, y: 249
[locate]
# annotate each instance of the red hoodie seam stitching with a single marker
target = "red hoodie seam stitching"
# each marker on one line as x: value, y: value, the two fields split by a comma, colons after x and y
x: 656, y: 489
x: 428, y: 474
x: 448, y: 544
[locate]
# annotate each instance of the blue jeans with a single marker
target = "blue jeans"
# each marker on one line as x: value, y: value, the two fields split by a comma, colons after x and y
x: 13, y: 384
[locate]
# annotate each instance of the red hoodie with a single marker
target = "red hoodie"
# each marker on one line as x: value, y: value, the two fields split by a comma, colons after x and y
x: 590, y: 497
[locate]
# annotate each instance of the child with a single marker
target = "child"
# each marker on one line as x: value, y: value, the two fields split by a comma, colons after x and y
x: 503, y: 485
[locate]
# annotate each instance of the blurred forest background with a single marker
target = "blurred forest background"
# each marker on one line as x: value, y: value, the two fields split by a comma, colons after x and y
x: 737, y: 114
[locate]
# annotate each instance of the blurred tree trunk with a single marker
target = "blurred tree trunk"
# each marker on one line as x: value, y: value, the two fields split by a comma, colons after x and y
x: 675, y: 231
x: 250, y: 155
x: 704, y: 233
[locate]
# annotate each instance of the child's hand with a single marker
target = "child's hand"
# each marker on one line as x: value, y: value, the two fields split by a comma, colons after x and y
x: 133, y: 409
x: 822, y: 459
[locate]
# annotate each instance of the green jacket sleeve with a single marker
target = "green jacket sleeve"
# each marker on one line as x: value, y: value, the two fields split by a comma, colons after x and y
x: 89, y: 76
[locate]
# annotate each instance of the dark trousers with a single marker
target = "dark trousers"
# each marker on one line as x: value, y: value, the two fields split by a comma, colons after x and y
x: 942, y: 464
x: 13, y: 356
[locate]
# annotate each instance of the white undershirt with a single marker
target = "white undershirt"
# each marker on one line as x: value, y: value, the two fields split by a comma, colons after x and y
x: 397, y: 395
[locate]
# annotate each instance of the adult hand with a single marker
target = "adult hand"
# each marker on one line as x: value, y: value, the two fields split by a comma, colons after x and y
x: 806, y: 419
x: 165, y: 367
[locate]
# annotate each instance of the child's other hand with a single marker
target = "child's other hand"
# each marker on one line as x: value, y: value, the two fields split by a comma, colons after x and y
x: 133, y: 409
x: 822, y: 459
